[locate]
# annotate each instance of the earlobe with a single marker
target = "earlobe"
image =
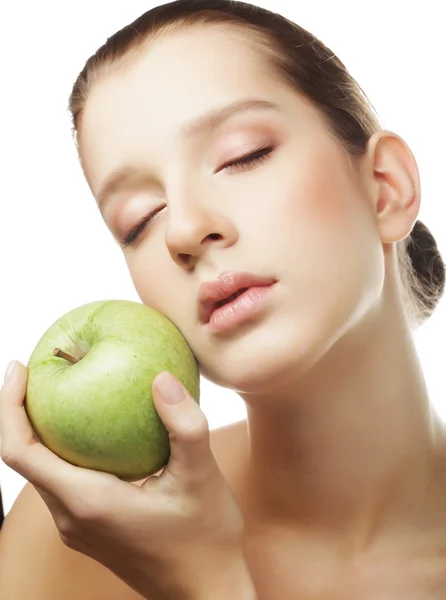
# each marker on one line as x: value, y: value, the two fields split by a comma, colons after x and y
x: 396, y: 185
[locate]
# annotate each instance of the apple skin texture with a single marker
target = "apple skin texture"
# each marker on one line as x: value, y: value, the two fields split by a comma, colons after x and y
x: 99, y: 413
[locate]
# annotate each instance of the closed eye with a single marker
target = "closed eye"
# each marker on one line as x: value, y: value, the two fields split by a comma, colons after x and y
x: 243, y: 163
x: 133, y: 235
x: 249, y: 159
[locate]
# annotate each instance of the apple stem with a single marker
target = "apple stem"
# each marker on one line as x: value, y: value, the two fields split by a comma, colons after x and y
x: 65, y: 355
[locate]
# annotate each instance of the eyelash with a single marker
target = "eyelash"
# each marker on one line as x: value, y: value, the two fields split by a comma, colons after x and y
x: 241, y: 163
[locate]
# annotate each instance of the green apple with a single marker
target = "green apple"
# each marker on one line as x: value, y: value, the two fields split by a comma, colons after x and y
x: 89, y: 391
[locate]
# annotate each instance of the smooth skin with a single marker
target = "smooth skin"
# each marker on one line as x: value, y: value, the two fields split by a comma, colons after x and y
x: 339, y: 470
x: 139, y: 531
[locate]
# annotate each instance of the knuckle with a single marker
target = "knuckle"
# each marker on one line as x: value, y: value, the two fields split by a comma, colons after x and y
x: 67, y: 530
x: 86, y: 512
x: 10, y: 457
x: 195, y: 429
x: 76, y: 524
x: 81, y: 512
x: 68, y: 541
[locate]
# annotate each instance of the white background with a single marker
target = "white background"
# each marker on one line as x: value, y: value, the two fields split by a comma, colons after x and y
x: 55, y: 252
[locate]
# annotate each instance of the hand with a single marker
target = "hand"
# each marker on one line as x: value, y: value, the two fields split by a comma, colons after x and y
x: 176, y: 535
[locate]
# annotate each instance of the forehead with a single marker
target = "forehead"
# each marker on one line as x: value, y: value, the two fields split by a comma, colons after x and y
x: 199, y: 63
x: 139, y: 107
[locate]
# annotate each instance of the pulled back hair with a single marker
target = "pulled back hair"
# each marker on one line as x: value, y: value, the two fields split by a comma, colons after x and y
x: 311, y: 69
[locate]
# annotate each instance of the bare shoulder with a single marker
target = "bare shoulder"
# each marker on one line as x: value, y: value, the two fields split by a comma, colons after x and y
x: 30, y: 543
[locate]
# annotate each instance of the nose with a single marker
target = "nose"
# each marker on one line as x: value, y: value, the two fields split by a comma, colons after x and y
x: 194, y: 228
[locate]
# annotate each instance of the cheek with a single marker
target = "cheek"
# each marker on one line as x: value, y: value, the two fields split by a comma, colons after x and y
x: 323, y: 232
x: 161, y: 285
x: 315, y: 210
x: 146, y: 269
x: 322, y: 197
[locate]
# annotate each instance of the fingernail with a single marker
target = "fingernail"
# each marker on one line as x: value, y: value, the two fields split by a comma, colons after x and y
x: 9, y: 370
x: 169, y: 388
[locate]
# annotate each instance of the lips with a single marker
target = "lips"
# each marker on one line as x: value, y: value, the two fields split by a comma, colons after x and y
x: 224, y: 289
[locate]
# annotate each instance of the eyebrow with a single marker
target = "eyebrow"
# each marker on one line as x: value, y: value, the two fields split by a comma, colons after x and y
x: 205, y: 123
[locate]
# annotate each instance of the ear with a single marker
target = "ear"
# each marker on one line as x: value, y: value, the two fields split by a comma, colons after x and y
x: 395, y: 185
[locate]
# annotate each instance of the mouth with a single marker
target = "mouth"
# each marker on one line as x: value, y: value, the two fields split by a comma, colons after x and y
x: 225, y: 290
x: 230, y: 298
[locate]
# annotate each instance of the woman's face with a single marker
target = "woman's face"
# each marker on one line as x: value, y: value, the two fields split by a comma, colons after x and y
x: 297, y: 215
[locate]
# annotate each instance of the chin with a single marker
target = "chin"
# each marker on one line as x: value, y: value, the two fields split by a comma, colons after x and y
x: 270, y: 356
x: 270, y: 359
x: 265, y: 361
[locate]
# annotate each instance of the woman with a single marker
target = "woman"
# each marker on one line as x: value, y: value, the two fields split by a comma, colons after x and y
x: 231, y: 152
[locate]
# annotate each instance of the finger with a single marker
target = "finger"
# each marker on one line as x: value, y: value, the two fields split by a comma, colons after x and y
x: 188, y: 428
x: 21, y: 450
x: 11, y: 407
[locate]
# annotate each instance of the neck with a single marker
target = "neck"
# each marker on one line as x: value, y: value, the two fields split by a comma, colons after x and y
x: 353, y: 449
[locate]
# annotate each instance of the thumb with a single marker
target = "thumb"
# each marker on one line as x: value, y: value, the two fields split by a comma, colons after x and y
x: 186, y: 423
